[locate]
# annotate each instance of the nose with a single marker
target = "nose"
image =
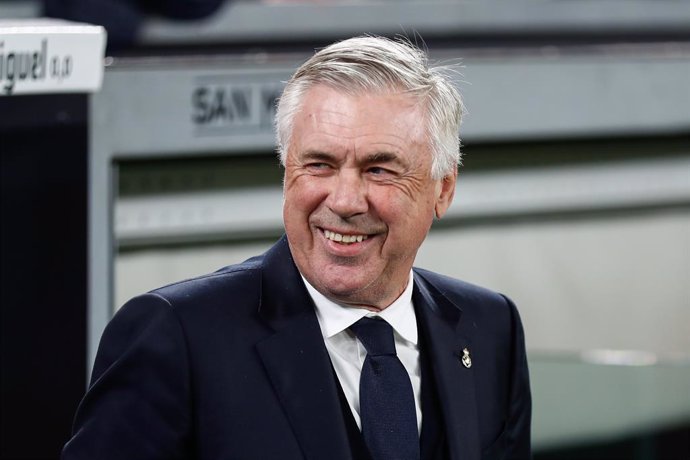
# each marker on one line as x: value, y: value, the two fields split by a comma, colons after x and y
x: 348, y: 196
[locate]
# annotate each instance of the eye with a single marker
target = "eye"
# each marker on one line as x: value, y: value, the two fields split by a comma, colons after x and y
x: 318, y: 167
x: 379, y: 171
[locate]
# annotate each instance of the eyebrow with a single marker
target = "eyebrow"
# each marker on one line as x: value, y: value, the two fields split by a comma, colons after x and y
x: 377, y: 157
x: 317, y: 155
x: 382, y: 157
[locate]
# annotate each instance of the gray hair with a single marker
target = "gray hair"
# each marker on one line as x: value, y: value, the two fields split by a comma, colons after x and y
x: 377, y: 64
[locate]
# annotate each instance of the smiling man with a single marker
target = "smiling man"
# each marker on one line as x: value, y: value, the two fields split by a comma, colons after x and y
x: 359, y: 194
x: 330, y: 345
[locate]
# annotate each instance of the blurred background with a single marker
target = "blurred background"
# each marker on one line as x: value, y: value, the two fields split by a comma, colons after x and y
x: 573, y: 199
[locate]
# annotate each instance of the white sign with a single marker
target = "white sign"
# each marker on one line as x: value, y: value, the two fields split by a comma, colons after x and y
x: 50, y: 56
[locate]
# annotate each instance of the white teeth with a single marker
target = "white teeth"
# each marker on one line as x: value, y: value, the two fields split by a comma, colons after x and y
x: 347, y: 239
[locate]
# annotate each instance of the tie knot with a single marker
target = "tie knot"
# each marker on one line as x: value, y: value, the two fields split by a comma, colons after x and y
x: 376, y: 335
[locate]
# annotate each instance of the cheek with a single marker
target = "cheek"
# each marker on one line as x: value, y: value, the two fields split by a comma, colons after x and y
x: 302, y: 197
x: 396, y: 205
x: 410, y: 219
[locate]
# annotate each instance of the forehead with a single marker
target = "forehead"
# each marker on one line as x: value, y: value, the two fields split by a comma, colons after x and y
x: 336, y: 115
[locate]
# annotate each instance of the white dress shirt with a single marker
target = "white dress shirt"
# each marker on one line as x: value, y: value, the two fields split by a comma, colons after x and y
x: 347, y: 353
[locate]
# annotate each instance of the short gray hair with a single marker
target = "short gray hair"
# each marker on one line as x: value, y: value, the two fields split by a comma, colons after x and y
x: 377, y: 64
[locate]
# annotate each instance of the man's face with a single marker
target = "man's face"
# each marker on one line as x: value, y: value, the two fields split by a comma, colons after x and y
x: 359, y: 198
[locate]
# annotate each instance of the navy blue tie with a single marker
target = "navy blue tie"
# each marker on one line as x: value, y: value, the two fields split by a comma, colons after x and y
x: 386, y: 400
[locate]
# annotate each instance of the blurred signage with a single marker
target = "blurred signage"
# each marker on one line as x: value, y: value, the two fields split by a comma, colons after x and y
x: 50, y: 56
x: 224, y: 105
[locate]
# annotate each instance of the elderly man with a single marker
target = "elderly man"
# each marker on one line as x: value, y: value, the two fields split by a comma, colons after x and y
x: 330, y: 345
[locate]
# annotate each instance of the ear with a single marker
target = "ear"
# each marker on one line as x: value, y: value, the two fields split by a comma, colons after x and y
x: 445, y: 191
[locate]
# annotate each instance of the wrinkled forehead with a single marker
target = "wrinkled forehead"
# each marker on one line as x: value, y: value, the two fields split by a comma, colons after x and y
x: 390, y: 105
x: 368, y: 99
x: 330, y: 120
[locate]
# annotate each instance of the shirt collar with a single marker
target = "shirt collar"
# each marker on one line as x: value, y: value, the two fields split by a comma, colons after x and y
x: 335, y: 318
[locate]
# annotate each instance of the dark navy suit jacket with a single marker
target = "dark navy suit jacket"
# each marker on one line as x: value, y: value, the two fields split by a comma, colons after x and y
x: 232, y: 365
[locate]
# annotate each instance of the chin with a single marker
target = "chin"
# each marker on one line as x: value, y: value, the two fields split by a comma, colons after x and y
x: 342, y: 290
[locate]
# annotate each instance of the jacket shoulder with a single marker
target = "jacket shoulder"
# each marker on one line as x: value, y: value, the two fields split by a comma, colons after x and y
x: 486, y: 309
x: 230, y: 280
x: 460, y: 292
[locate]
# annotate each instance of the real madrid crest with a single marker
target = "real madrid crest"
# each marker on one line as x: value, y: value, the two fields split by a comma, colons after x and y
x: 466, y: 360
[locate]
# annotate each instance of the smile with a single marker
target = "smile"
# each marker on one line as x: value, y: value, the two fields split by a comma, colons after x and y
x: 346, y: 239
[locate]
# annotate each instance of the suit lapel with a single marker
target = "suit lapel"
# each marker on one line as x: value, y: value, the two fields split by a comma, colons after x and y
x: 297, y: 361
x: 446, y: 336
